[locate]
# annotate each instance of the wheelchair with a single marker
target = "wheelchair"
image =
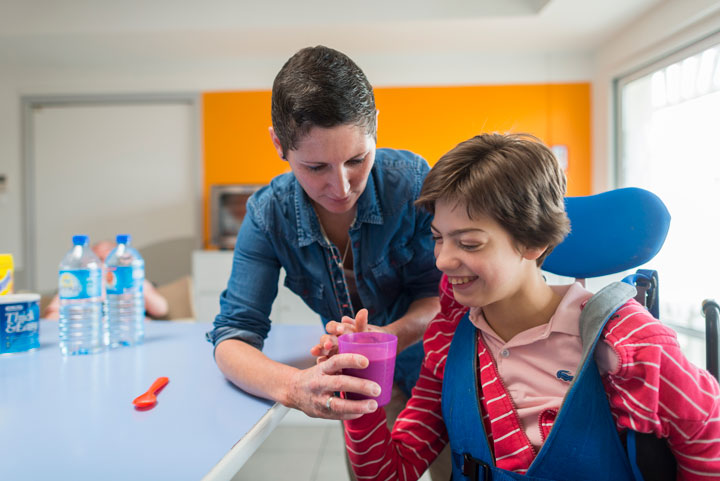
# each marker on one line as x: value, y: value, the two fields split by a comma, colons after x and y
x: 611, y: 233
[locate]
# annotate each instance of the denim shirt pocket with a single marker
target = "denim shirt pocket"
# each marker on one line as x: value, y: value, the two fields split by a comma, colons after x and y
x: 309, y: 290
x: 388, y: 273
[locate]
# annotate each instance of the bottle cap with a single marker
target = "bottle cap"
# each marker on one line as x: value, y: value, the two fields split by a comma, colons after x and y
x: 80, y: 240
x: 122, y: 238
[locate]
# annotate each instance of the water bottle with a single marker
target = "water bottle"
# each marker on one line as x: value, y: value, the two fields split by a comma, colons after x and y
x: 125, y: 275
x: 82, y: 325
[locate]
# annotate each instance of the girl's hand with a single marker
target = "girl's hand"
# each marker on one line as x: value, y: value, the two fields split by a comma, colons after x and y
x: 327, y: 347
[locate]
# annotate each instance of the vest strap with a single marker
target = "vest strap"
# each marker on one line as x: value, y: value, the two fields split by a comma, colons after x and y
x: 583, y: 443
x: 476, y: 469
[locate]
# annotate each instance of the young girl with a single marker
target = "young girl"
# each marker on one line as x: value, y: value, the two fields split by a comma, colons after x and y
x: 499, y: 211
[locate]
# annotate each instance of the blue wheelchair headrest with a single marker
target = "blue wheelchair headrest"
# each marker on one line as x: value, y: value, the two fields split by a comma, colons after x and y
x: 610, y: 233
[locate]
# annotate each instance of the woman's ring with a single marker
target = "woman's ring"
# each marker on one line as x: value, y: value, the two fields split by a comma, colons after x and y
x: 329, y: 402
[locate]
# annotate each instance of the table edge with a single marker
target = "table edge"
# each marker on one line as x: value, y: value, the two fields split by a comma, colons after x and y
x: 234, y: 459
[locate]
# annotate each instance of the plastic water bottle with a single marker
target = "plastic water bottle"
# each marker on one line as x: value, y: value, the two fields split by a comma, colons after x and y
x: 82, y: 325
x: 125, y: 275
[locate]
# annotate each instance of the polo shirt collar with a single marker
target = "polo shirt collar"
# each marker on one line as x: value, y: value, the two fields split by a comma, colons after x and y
x: 564, y: 320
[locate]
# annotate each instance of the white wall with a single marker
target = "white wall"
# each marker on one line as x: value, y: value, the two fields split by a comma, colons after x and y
x: 10, y: 199
x: 143, y: 77
x: 136, y: 79
x: 670, y: 27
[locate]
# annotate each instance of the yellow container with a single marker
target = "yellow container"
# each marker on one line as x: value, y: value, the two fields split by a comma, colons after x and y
x: 6, y: 274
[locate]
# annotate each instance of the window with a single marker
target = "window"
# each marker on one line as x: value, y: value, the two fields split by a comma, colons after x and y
x: 669, y: 143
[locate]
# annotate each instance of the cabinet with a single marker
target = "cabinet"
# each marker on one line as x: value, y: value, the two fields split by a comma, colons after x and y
x: 211, y: 271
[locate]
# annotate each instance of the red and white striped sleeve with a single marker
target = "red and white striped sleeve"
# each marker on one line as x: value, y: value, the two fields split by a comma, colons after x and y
x: 419, y: 433
x: 655, y: 389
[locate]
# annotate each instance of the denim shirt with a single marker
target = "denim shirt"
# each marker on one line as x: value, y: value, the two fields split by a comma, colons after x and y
x: 392, y: 257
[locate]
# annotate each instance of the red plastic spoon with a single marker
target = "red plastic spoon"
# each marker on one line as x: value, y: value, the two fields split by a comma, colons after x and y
x: 148, y: 399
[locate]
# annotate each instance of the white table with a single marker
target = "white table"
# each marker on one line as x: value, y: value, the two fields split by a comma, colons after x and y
x: 72, y: 418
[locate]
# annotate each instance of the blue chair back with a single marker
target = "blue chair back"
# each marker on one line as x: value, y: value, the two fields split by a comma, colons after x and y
x: 610, y: 233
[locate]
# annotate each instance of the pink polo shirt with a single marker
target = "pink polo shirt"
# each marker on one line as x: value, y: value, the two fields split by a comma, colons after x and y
x: 539, y: 363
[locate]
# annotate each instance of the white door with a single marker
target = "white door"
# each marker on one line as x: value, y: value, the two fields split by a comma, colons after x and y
x: 107, y: 168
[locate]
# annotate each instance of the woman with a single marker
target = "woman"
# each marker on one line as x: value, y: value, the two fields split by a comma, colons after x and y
x: 344, y: 227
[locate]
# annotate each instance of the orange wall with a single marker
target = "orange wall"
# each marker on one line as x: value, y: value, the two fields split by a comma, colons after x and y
x: 427, y: 120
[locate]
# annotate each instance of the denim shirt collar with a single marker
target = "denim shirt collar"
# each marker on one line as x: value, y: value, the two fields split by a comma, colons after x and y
x: 308, y: 226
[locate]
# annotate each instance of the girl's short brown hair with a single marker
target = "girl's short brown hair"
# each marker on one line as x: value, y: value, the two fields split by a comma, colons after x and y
x: 513, y: 178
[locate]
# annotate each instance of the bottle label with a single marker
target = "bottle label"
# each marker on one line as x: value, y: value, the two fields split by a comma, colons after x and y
x: 19, y: 316
x: 80, y: 284
x: 122, y: 279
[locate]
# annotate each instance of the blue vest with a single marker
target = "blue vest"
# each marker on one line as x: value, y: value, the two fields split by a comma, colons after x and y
x: 583, y: 443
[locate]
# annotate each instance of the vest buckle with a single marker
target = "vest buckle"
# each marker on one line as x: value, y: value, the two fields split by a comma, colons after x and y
x: 472, y: 468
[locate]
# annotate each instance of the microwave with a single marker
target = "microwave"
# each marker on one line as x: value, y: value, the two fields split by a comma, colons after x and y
x: 227, y: 210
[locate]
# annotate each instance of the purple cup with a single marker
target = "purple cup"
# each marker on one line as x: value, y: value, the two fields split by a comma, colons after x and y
x: 380, y: 349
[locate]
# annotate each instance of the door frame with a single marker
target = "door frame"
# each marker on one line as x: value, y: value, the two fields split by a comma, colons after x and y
x: 31, y: 102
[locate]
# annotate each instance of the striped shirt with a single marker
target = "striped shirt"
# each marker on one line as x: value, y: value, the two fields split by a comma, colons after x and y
x: 653, y: 388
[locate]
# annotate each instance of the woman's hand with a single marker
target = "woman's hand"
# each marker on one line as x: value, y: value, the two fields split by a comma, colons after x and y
x: 327, y: 347
x: 313, y: 390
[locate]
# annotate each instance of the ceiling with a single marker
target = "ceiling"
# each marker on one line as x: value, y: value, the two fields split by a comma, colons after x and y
x: 93, y: 33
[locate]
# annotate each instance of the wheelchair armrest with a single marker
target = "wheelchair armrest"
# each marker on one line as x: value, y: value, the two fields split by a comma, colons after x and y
x: 711, y: 311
